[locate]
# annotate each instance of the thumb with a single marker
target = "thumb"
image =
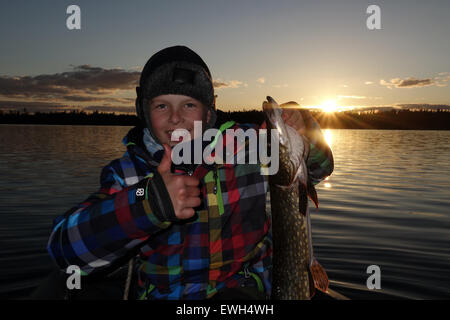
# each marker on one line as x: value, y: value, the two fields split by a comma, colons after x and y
x: 166, y: 160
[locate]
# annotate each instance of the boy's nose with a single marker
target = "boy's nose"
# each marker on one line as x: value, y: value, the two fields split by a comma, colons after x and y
x: 175, y: 117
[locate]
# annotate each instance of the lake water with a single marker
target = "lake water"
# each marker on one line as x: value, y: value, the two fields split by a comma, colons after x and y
x: 386, y: 204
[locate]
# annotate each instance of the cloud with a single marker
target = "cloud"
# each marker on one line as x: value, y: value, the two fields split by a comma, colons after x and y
x: 33, y: 106
x: 442, y: 79
x: 120, y: 109
x: 439, y: 81
x: 368, y: 82
x: 90, y: 98
x: 280, y: 86
x: 352, y: 97
x: 218, y: 84
x: 261, y: 80
x: 414, y: 83
x: 72, y: 90
x: 407, y: 83
x: 75, y: 84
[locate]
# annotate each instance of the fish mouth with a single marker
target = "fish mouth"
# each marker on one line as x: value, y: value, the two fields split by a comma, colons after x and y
x: 270, y: 100
x: 268, y: 108
x: 274, y: 120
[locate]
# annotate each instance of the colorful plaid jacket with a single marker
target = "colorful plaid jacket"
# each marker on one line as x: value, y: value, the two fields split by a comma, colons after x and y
x: 190, y: 259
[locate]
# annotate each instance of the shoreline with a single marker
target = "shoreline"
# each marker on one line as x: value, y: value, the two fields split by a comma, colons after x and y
x: 381, y: 120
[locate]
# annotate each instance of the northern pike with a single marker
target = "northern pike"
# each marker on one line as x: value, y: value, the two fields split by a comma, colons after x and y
x: 295, y: 271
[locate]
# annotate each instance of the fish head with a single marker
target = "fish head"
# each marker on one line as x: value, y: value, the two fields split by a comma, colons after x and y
x: 292, y: 146
x: 274, y: 120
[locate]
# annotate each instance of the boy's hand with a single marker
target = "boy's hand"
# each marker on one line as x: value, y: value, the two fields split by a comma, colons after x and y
x: 293, y: 118
x: 183, y: 190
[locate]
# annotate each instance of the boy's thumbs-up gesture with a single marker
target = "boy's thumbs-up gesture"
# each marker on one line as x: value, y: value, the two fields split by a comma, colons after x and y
x: 183, y: 190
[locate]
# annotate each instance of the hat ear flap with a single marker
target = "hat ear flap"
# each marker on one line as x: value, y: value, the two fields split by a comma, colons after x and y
x: 214, y: 102
x: 140, y: 107
x: 138, y: 101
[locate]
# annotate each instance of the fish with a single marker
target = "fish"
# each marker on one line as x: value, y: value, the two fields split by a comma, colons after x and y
x: 295, y: 272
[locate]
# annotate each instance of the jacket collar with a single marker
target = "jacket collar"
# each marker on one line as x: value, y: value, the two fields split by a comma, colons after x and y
x: 140, y: 142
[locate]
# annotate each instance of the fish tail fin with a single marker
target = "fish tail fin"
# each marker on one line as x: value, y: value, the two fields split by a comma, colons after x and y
x: 319, y: 276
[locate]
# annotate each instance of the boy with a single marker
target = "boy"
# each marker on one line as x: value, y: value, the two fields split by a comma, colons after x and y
x: 200, y: 234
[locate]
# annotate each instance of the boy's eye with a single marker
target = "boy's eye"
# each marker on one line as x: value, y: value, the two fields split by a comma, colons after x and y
x: 190, y: 105
x: 160, y: 106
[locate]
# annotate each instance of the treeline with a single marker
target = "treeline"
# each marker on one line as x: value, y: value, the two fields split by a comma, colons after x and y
x: 68, y: 118
x: 392, y: 119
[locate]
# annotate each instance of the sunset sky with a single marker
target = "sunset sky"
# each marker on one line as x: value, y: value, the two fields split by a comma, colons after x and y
x: 318, y: 53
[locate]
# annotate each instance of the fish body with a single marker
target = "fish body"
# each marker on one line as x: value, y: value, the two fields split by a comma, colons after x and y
x: 289, y: 204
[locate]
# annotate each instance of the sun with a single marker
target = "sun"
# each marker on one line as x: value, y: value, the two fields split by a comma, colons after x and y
x: 329, y: 106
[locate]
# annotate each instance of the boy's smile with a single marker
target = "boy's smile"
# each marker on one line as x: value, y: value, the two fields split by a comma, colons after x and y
x: 171, y: 112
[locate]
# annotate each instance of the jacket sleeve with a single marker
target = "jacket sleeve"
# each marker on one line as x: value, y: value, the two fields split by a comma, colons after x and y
x: 320, y: 161
x: 111, y: 222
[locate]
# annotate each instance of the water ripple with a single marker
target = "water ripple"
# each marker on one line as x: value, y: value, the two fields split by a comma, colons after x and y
x: 385, y: 204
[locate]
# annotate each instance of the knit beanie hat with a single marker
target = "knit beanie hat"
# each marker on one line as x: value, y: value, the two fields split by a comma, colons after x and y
x: 174, y: 70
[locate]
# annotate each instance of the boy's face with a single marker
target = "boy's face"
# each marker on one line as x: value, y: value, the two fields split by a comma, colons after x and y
x: 172, y: 111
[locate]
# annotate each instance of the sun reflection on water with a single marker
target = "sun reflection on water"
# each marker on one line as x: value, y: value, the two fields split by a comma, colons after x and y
x: 328, y: 136
x: 329, y: 139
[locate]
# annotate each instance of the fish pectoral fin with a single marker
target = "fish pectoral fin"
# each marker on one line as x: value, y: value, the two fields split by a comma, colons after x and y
x: 312, y: 193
